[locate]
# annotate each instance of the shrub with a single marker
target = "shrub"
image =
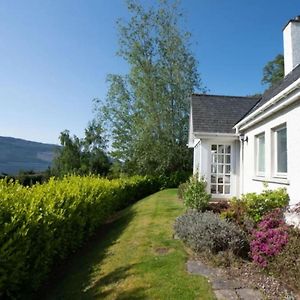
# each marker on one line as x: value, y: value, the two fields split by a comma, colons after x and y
x: 195, y: 195
x: 207, y: 231
x: 252, y: 207
x: 181, y: 189
x: 45, y: 223
x: 269, y: 238
x: 174, y: 179
x: 286, y: 265
x: 259, y: 204
x: 218, y: 206
x: 237, y: 212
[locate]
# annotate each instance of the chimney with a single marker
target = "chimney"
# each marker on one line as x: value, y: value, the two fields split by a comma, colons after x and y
x: 291, y: 45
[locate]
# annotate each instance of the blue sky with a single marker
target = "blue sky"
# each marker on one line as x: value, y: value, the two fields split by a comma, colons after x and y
x: 55, y: 55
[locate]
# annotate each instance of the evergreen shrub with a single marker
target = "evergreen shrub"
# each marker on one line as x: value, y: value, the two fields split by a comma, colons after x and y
x: 195, y: 195
x: 208, y: 232
x: 43, y: 224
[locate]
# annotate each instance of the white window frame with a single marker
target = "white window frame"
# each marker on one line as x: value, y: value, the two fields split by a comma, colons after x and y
x: 257, y: 149
x: 275, y: 172
x: 217, y: 174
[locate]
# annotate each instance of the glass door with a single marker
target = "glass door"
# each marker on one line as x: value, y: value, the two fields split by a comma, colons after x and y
x: 220, y: 178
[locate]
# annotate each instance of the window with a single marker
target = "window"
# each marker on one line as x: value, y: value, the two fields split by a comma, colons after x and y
x: 260, y: 154
x: 220, y: 169
x: 280, y: 150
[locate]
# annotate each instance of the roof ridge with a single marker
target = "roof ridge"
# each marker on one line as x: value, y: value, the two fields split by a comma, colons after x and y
x: 226, y: 96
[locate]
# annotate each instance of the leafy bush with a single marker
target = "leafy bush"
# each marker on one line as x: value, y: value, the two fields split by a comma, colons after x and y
x: 259, y: 204
x: 286, y: 265
x: 218, y: 206
x: 181, y: 189
x: 269, y: 238
x: 195, y: 195
x: 45, y: 223
x: 174, y: 179
x: 252, y: 207
x: 207, y: 231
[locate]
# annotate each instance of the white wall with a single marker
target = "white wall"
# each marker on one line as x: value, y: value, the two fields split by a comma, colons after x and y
x: 253, y: 183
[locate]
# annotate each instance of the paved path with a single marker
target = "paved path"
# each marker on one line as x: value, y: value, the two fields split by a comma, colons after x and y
x: 224, y: 288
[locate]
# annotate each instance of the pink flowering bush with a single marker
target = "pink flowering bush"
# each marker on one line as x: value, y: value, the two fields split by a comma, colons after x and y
x: 269, y: 238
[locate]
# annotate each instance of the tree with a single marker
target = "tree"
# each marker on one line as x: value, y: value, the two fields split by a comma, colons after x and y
x: 147, y: 110
x: 82, y: 156
x: 273, y: 71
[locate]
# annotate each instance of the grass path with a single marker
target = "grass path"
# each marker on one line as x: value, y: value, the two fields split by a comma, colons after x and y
x: 134, y: 257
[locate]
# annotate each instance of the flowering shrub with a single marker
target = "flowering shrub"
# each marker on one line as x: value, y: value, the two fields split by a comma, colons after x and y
x: 269, y: 239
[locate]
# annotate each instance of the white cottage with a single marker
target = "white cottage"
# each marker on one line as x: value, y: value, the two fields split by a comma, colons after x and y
x: 241, y: 142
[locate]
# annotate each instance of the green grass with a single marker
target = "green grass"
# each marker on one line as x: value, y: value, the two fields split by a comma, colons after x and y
x: 133, y: 257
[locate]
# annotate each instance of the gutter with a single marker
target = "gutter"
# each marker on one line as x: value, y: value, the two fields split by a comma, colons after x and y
x: 215, y: 134
x: 253, y: 117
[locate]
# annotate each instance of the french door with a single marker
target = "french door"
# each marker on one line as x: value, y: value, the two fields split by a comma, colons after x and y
x: 220, y: 177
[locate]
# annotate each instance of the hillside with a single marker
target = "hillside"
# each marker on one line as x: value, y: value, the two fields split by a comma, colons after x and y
x: 17, y: 154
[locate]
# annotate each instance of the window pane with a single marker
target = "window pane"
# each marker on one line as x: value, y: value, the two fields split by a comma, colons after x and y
x: 213, y: 189
x: 227, y: 179
x: 220, y: 189
x: 228, y: 149
x: 227, y: 189
x: 227, y: 169
x: 214, y: 158
x: 220, y: 159
x: 213, y: 179
x: 220, y: 169
x: 227, y: 159
x: 214, y: 147
x: 281, y: 151
x: 220, y: 179
x: 261, y: 153
x: 221, y: 149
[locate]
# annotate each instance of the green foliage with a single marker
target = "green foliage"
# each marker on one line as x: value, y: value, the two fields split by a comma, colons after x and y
x: 237, y: 211
x: 181, y: 189
x: 147, y: 110
x: 195, y: 195
x: 82, y: 156
x: 252, y: 206
x: 43, y: 224
x: 259, y: 204
x: 286, y: 265
x: 273, y: 71
x: 208, y: 232
x: 174, y: 180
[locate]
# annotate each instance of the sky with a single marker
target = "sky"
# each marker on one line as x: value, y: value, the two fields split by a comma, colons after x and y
x: 55, y: 55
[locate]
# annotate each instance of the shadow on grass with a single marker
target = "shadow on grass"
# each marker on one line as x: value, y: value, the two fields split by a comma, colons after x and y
x: 72, y: 279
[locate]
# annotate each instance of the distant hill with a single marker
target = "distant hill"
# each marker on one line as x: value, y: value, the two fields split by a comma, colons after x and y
x: 18, y: 154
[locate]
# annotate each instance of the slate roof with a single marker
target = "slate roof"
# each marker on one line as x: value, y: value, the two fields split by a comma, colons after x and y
x: 276, y: 89
x: 218, y: 114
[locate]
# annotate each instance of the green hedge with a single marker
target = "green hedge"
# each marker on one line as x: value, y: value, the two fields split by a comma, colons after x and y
x: 43, y: 224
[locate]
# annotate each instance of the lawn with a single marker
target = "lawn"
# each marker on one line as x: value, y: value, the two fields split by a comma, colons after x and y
x: 132, y: 257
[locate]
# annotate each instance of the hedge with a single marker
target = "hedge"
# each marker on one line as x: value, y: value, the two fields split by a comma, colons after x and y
x: 43, y: 224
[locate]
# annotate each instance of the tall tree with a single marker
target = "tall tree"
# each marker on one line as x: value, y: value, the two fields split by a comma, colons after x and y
x: 148, y: 109
x: 82, y: 156
x: 273, y: 71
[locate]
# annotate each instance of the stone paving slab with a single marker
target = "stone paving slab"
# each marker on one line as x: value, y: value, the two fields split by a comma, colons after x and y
x: 198, y: 268
x: 249, y: 294
x: 226, y: 295
x: 224, y: 284
x: 224, y: 288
